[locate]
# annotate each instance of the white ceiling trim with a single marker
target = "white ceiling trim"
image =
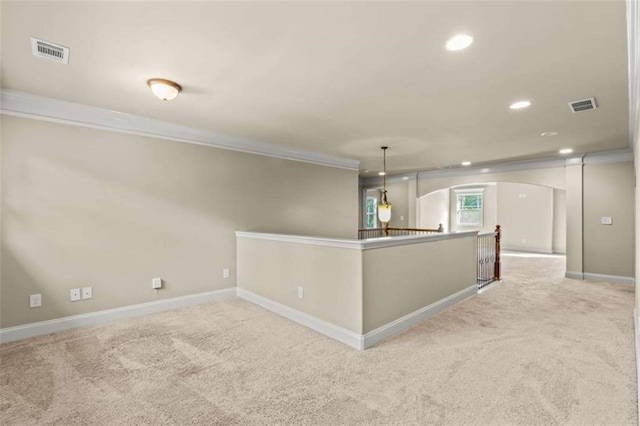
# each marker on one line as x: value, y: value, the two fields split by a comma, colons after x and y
x: 614, y: 156
x: 617, y: 156
x: 48, y: 109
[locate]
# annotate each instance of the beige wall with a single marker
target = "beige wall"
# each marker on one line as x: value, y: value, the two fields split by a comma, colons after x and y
x: 84, y: 207
x: 331, y: 278
x: 353, y: 288
x: 398, y: 196
x: 574, y: 203
x: 401, y: 280
x: 525, y: 213
x: 559, y: 221
x: 434, y: 210
x: 609, y: 191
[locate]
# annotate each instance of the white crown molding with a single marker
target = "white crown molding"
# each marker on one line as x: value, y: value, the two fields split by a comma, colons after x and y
x: 333, y: 331
x: 48, y: 109
x: 374, y: 243
x: 10, y: 334
x: 394, y: 327
x: 376, y: 181
x: 545, y: 163
x: 599, y: 157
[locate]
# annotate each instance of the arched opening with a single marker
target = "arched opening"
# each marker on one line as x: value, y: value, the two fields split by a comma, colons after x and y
x: 533, y: 217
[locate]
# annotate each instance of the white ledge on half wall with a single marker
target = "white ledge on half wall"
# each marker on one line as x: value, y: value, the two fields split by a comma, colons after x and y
x: 368, y: 244
x: 22, y: 104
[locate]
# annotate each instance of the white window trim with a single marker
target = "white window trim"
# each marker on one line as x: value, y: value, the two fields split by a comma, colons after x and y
x: 469, y: 191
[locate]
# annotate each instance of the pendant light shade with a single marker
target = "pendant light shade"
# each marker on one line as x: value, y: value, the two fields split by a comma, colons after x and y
x: 384, y: 212
x: 384, y: 208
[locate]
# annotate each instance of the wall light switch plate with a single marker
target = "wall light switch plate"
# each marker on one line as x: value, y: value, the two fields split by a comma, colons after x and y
x: 225, y: 273
x: 300, y: 292
x: 156, y: 283
x: 35, y: 300
x: 87, y: 293
x: 74, y: 294
x: 606, y: 220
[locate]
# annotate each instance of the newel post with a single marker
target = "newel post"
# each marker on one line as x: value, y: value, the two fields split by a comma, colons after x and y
x: 496, y: 267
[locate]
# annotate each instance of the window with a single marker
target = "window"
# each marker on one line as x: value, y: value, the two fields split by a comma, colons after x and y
x: 372, y: 203
x: 469, y: 208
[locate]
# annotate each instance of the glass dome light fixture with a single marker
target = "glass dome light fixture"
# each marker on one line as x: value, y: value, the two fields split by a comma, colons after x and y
x: 384, y: 208
x: 164, y: 89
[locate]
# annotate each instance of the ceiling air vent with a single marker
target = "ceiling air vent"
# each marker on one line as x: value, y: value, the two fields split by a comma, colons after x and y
x: 51, y: 51
x: 583, y: 105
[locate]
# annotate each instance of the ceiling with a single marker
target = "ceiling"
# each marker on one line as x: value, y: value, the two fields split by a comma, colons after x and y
x: 344, y: 78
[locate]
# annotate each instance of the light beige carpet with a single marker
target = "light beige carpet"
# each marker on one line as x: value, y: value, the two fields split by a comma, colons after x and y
x: 529, y: 350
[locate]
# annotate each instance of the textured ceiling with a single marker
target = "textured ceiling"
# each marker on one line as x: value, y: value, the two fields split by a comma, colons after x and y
x: 344, y: 78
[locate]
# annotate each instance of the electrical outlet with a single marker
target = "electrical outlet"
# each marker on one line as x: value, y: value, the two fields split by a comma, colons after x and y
x: 225, y: 273
x: 606, y: 220
x: 156, y: 283
x: 35, y: 300
x: 300, y: 292
x: 87, y: 293
x: 74, y: 294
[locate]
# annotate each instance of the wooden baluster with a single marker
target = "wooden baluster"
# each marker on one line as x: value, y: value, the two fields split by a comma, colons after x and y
x: 496, y: 268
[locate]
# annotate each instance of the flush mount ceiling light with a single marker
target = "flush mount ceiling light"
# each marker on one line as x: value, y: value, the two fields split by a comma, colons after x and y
x: 466, y: 163
x: 566, y: 151
x: 164, y: 89
x: 520, y: 104
x: 459, y: 42
x: 547, y: 134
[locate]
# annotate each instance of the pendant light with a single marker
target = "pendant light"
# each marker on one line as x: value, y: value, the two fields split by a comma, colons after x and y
x: 384, y: 208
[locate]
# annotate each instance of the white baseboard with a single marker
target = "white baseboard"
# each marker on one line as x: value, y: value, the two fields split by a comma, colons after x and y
x: 574, y: 275
x: 600, y: 277
x: 636, y: 322
x: 394, y: 327
x: 340, y: 334
x: 610, y: 278
x: 636, y: 332
x: 526, y: 250
x: 10, y: 334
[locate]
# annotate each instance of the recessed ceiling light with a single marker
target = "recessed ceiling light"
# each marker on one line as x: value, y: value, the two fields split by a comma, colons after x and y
x: 545, y: 134
x: 459, y: 42
x: 381, y: 173
x: 520, y: 104
x: 466, y: 163
x: 565, y: 151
